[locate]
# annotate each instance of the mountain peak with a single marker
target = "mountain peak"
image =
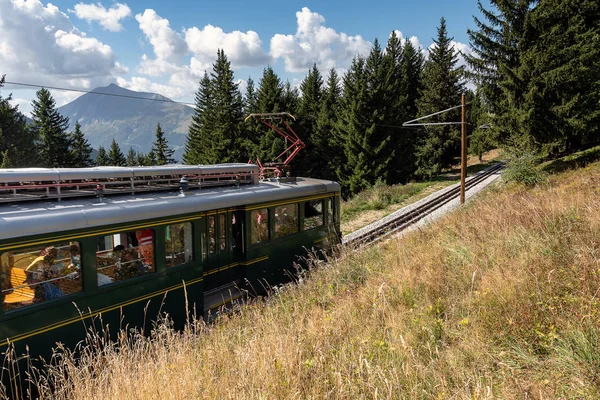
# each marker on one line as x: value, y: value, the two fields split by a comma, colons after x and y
x: 114, y: 89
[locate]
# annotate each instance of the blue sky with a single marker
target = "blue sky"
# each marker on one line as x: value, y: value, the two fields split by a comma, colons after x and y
x: 165, y: 46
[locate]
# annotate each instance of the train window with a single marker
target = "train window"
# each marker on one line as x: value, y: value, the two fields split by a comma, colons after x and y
x: 178, y: 244
x: 40, y: 273
x: 222, y: 244
x: 125, y: 255
x: 286, y: 220
x: 212, y: 235
x: 330, y: 210
x: 313, y: 214
x: 260, y: 226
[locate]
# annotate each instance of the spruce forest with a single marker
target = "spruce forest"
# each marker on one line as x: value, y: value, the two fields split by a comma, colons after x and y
x: 532, y: 84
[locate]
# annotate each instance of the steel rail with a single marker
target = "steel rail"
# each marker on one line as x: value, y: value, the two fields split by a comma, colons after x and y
x: 410, y: 217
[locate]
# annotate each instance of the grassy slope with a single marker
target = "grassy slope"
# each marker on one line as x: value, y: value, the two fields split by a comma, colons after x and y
x: 498, y: 300
x: 379, y: 201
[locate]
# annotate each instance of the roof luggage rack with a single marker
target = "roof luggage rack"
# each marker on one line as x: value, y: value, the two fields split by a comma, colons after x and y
x: 27, y: 184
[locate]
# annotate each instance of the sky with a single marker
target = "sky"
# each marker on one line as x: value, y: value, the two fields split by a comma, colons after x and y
x: 166, y: 46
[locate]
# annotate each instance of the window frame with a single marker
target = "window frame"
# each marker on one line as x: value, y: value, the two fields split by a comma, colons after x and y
x: 66, y: 297
x: 323, y: 212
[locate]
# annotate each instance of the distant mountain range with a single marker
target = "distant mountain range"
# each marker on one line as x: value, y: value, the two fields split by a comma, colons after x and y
x: 129, y: 117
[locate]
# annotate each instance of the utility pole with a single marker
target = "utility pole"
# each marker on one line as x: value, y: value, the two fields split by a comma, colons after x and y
x: 463, y: 153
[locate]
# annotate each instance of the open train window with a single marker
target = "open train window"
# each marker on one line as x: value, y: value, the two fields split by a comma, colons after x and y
x: 39, y: 273
x: 259, y: 226
x: 178, y: 244
x: 286, y: 220
x: 124, y: 255
x: 313, y: 214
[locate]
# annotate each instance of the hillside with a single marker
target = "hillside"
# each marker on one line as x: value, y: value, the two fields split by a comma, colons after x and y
x: 129, y: 117
x: 497, y: 300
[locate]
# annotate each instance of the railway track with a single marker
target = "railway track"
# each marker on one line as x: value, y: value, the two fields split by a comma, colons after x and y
x: 410, y: 215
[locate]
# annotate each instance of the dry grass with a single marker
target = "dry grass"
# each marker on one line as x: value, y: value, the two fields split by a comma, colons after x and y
x: 498, y: 300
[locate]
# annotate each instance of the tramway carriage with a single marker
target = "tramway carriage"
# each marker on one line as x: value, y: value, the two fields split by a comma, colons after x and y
x: 130, y: 243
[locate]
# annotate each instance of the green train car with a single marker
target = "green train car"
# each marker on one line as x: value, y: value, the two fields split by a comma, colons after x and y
x: 128, y: 244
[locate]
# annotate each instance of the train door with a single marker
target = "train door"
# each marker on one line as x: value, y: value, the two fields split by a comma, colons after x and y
x: 224, y: 248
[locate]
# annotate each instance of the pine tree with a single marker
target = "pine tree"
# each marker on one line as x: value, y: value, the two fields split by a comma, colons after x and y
x: 160, y: 147
x: 81, y: 152
x: 102, y: 157
x: 17, y: 140
x: 442, y: 81
x: 495, y: 62
x: 200, y: 128
x: 132, y: 158
x: 267, y: 144
x: 141, y: 159
x: 227, y: 142
x: 394, y: 95
x: 411, y: 72
x: 251, y: 98
x: 150, y: 159
x: 365, y: 151
x: 327, y: 140
x: 560, y: 62
x: 312, y: 162
x: 54, y: 145
x: 115, y: 156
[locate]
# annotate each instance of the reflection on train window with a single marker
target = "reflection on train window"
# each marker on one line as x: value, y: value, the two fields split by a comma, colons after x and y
x: 212, y: 235
x: 330, y: 210
x: 236, y: 232
x: 260, y: 226
x: 222, y: 244
x: 286, y: 220
x: 178, y: 244
x: 313, y: 214
x: 203, y: 245
x: 125, y: 255
x: 40, y: 273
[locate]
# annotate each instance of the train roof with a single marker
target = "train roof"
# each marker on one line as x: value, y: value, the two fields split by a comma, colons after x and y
x: 40, y: 217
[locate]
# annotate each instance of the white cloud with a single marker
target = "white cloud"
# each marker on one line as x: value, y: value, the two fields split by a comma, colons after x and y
x: 141, y: 84
x: 315, y: 43
x: 166, y: 42
x: 461, y: 48
x: 242, y: 49
x: 39, y: 44
x: 108, y: 19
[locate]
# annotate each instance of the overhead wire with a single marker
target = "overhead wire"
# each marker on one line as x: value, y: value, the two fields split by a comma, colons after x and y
x: 94, y: 92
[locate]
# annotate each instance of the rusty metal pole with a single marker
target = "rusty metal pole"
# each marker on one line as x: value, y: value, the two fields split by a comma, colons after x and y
x: 463, y: 153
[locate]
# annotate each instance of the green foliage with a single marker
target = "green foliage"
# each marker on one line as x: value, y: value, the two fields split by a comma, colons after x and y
x: 267, y: 144
x: 439, y: 146
x: 560, y: 61
x: 521, y: 166
x: 17, y: 145
x: 312, y: 160
x: 160, y: 147
x: 200, y: 128
x: 81, y: 151
x: 115, y: 156
x: 132, y: 158
x: 216, y: 134
x: 54, y: 144
x: 326, y: 137
x: 365, y: 113
x: 102, y: 157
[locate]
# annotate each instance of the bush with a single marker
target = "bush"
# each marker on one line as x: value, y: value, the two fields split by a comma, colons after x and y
x: 521, y: 166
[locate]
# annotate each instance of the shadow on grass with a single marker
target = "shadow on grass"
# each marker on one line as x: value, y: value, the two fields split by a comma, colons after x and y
x: 454, y: 173
x: 573, y: 161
